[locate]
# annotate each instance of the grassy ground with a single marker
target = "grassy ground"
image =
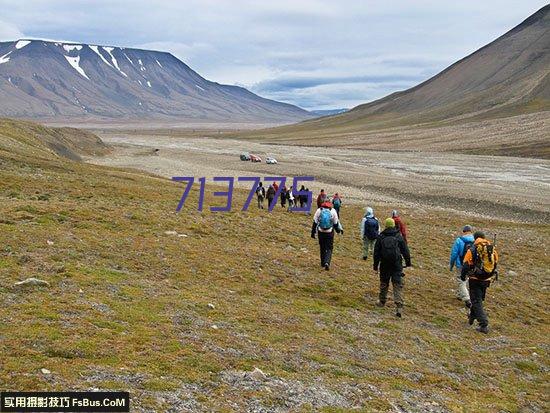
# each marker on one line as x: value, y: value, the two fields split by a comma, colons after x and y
x: 128, y: 309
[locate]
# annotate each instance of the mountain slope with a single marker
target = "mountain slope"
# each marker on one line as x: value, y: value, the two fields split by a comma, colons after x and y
x: 178, y: 320
x: 510, y: 76
x: 54, y: 80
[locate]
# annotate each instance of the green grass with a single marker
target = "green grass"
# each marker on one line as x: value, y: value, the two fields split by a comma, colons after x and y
x: 128, y: 305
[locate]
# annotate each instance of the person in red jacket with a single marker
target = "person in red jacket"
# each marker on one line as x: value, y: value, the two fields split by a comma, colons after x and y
x: 399, y: 224
x: 321, y: 198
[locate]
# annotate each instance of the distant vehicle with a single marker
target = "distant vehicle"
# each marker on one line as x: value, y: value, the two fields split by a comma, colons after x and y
x: 245, y: 157
x: 271, y: 161
x: 255, y: 158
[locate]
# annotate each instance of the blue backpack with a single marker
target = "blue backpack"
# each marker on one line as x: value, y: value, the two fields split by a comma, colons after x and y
x: 337, y: 202
x: 371, y: 228
x: 325, y: 219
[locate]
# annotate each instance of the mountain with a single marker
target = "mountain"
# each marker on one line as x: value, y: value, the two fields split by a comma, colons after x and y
x: 510, y: 77
x: 58, y: 80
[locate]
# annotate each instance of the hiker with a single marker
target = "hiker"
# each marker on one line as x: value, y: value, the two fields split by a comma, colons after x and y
x: 302, y: 198
x: 270, y: 195
x: 322, y: 197
x: 337, y: 203
x: 479, y: 268
x: 260, y: 194
x: 399, y: 224
x: 325, y: 222
x: 283, y: 196
x: 290, y: 198
x: 275, y: 186
x: 389, y: 251
x: 461, y: 245
x: 370, y: 229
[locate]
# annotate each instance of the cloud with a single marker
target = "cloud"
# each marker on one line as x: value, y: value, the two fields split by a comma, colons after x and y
x: 9, y: 31
x: 313, y: 53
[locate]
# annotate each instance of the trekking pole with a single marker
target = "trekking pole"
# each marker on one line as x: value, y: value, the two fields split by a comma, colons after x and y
x: 494, y: 246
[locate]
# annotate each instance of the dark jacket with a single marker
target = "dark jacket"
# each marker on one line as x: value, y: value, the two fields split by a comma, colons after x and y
x: 270, y: 192
x: 395, y: 266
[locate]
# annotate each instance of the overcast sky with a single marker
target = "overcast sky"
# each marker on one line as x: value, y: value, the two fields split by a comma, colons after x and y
x: 317, y: 54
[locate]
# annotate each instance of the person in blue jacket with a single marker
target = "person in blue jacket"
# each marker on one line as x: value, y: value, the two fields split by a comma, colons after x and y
x: 458, y: 251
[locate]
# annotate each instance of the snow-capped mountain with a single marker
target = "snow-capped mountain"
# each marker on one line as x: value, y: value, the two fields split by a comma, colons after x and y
x: 59, y: 80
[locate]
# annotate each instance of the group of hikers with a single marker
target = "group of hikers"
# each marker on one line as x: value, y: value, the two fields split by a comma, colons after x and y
x: 286, y: 196
x: 474, y: 257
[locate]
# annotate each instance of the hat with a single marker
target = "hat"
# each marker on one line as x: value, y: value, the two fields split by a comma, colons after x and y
x: 467, y: 228
x: 479, y: 234
x: 394, y: 213
x: 369, y: 212
x: 390, y: 223
x: 326, y: 204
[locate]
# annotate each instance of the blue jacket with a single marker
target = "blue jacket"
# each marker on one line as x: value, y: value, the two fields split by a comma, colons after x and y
x: 457, y: 251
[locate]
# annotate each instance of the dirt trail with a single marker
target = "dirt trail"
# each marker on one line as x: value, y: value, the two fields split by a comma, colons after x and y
x: 515, y: 189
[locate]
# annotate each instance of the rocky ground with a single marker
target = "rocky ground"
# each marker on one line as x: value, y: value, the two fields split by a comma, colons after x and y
x: 502, y: 187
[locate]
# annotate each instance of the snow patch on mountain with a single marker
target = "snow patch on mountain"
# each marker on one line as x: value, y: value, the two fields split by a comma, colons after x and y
x: 5, y: 58
x: 22, y: 43
x: 96, y: 50
x: 149, y: 84
x: 71, y: 47
x: 158, y: 63
x: 75, y: 63
x: 115, y: 63
x: 198, y: 87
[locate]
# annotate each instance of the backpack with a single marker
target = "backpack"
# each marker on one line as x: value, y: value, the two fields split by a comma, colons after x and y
x: 325, y: 219
x: 371, y: 229
x: 467, y: 245
x: 389, y: 250
x: 336, y: 203
x: 483, y: 254
x: 260, y: 191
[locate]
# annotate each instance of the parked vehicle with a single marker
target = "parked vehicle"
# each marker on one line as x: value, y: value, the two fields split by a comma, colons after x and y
x: 271, y: 161
x: 255, y: 158
x: 245, y: 157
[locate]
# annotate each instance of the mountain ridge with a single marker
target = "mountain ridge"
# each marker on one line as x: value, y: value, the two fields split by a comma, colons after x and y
x: 47, y: 80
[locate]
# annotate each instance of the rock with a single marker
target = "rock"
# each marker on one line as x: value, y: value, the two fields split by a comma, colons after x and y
x: 257, y: 374
x: 29, y: 282
x: 214, y: 327
x: 512, y: 273
x: 182, y: 235
x: 170, y: 233
x: 211, y: 306
x: 81, y: 291
x: 45, y: 371
x: 49, y: 242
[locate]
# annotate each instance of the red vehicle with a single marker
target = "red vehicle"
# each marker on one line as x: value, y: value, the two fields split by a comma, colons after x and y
x: 255, y: 158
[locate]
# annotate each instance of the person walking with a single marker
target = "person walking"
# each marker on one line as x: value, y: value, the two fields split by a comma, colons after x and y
x: 389, y: 251
x: 290, y: 198
x: 325, y: 223
x: 460, y: 246
x: 399, y: 224
x: 260, y: 194
x: 322, y: 197
x: 283, y: 196
x: 370, y: 229
x: 479, y: 268
x: 337, y: 203
x: 270, y: 195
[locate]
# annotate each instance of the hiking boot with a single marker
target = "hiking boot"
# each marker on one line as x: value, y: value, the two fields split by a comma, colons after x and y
x: 398, y: 313
x: 380, y: 304
x: 471, y: 319
x: 468, y: 304
x: 327, y: 267
x: 483, y: 329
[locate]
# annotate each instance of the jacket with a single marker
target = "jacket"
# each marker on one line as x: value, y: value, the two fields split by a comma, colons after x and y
x: 457, y: 250
x: 270, y: 192
x: 336, y: 225
x: 320, y: 199
x: 401, y: 226
x: 389, y: 267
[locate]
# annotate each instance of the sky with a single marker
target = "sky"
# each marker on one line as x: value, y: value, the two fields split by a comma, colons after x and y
x: 317, y: 54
